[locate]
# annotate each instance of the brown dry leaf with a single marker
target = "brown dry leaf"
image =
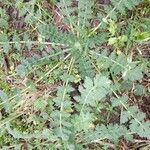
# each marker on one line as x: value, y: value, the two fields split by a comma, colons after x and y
x: 105, y: 2
x: 94, y: 22
x: 16, y: 21
x: 57, y: 16
x: 59, y: 19
x: 27, y: 100
x: 29, y: 96
x: 147, y: 147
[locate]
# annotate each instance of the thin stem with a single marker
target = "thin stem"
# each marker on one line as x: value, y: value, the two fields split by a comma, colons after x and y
x: 35, y: 43
x: 85, y: 100
x: 64, y: 93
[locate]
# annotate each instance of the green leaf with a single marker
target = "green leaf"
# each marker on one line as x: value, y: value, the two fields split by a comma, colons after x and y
x: 3, y: 23
x: 21, y: 70
x: 16, y: 39
x: 40, y: 103
x: 126, y: 115
x: 3, y: 96
x: 112, y: 41
x: 5, y: 101
x: 118, y: 101
x: 126, y: 85
x: 82, y: 122
x: 142, y: 36
x: 28, y: 41
x: 31, y: 85
x: 112, y: 27
x: 5, y: 42
x: 93, y: 91
x: 110, y: 132
x: 84, y: 13
x: 136, y: 120
x: 139, y: 90
x: 134, y: 74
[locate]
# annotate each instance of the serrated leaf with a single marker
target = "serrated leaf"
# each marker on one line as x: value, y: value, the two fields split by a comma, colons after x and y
x: 21, y: 70
x: 5, y: 101
x: 118, y: 101
x: 134, y: 74
x: 93, y: 91
x: 16, y: 39
x: 82, y: 121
